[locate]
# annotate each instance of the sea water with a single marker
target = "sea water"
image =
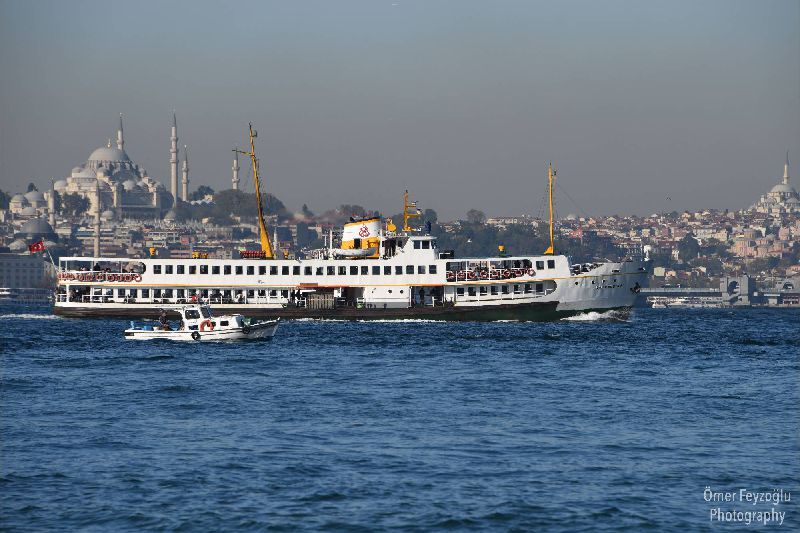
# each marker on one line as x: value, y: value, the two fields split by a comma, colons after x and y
x: 604, y: 422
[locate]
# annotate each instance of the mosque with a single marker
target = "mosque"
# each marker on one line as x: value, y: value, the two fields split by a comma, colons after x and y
x: 782, y: 198
x: 115, y: 185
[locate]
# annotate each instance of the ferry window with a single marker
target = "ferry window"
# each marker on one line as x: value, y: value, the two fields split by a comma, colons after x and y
x: 168, y: 293
x: 273, y: 293
x: 387, y: 271
x: 296, y: 270
x: 251, y: 294
x: 307, y: 271
x: 205, y: 312
x: 121, y: 293
x: 168, y: 269
x: 398, y: 270
x: 145, y: 293
x: 331, y: 270
x: 364, y: 270
x: 460, y: 291
x: 223, y: 322
x: 376, y: 271
x: 181, y: 269
x: 516, y: 289
x: 539, y: 265
x: 319, y: 271
x: 484, y: 290
x: 494, y: 289
x: 540, y: 287
x: 471, y: 291
x: 262, y: 270
x: 215, y: 269
x: 251, y: 270
x: 204, y: 293
x: 227, y: 270
x: 262, y: 293
x: 551, y: 263
x: 181, y: 293
x: 239, y: 270
x: 192, y: 269
x: 132, y: 293
x: 156, y: 269
x: 426, y: 245
x: 192, y: 314
x: 528, y: 288
x: 285, y: 294
x: 285, y: 270
x: 354, y: 271
x: 156, y: 293
x: 409, y: 269
x: 342, y: 270
x: 273, y: 271
x: 417, y: 245
x: 431, y: 269
x: 204, y: 269
x: 504, y: 289
x: 421, y: 269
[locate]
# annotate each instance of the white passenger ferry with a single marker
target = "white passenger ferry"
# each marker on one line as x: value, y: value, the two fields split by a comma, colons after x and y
x: 377, y: 271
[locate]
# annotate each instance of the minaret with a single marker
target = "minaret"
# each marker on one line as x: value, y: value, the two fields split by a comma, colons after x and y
x: 786, y: 169
x: 120, y: 139
x: 235, y: 169
x: 173, y: 159
x: 51, y: 204
x: 185, y: 175
x: 97, y: 219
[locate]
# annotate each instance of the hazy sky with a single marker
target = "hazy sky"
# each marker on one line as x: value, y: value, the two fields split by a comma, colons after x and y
x: 462, y: 102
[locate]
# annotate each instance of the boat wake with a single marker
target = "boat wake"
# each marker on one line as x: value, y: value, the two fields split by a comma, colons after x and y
x: 28, y: 316
x: 612, y: 315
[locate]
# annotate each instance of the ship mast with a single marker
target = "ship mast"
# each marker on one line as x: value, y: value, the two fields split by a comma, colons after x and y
x: 266, y: 245
x: 408, y: 214
x: 551, y: 175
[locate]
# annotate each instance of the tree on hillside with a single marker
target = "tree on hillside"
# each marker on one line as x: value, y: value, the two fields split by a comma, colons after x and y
x: 243, y: 204
x: 32, y: 187
x: 5, y: 198
x: 201, y: 192
x: 306, y: 211
x: 475, y: 216
x: 74, y: 205
x: 688, y: 247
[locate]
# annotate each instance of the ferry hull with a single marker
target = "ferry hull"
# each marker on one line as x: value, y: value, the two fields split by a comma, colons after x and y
x: 539, y: 311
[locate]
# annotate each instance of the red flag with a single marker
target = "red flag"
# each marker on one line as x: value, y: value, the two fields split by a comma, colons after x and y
x: 36, y: 247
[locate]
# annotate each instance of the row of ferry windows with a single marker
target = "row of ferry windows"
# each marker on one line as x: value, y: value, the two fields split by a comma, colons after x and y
x: 296, y: 270
x: 494, y: 290
x: 188, y: 293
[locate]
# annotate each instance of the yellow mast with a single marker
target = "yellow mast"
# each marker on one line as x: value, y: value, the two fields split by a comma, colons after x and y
x: 407, y: 214
x: 551, y: 175
x: 266, y: 245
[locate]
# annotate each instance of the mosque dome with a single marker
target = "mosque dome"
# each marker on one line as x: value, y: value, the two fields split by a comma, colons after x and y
x: 37, y: 228
x: 18, y: 198
x: 18, y: 246
x: 34, y: 196
x: 80, y: 172
x: 108, y: 153
x: 28, y: 211
x: 782, y: 188
x: 60, y: 184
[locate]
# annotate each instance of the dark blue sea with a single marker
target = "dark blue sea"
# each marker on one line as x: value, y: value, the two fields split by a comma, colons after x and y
x: 604, y: 423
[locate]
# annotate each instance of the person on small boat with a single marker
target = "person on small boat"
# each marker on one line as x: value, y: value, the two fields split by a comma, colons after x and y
x: 162, y: 320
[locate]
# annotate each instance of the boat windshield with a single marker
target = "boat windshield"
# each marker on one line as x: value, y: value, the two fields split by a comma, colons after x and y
x: 192, y: 314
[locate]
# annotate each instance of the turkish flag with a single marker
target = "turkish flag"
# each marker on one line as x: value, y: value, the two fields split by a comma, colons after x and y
x: 36, y: 247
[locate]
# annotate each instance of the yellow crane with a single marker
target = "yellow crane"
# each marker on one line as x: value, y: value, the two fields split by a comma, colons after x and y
x: 266, y: 245
x: 551, y: 176
x: 409, y: 214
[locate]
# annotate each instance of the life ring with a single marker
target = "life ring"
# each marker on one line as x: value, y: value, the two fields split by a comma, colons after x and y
x: 484, y: 274
x: 195, y: 335
x: 205, y: 323
x: 506, y: 274
x: 451, y: 276
x: 471, y: 275
x: 531, y: 272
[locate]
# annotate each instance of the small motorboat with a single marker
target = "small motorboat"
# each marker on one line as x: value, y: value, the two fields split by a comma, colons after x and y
x: 198, y: 323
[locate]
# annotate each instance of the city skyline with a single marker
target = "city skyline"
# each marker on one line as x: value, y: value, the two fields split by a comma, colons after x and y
x: 643, y: 108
